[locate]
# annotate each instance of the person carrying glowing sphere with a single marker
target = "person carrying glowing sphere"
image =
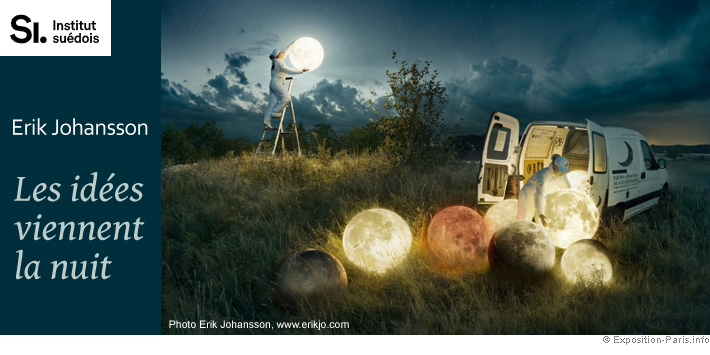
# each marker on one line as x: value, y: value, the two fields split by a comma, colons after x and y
x: 531, y: 201
x: 278, y: 96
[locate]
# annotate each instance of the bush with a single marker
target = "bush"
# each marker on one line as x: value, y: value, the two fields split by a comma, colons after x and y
x: 412, y: 117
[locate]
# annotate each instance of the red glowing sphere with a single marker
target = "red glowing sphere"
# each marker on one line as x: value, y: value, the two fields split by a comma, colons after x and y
x: 457, y: 237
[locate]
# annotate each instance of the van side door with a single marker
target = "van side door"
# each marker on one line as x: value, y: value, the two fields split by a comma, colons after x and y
x: 597, y: 170
x: 500, y: 154
x: 652, y: 180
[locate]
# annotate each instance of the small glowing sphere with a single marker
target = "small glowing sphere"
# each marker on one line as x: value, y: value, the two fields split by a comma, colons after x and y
x: 587, y: 262
x: 457, y: 237
x: 578, y: 180
x: 306, y: 53
x: 377, y: 239
x: 501, y: 214
x: 571, y: 216
x: 309, y: 273
x: 524, y: 245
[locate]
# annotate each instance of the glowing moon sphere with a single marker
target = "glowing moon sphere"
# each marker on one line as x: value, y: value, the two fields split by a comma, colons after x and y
x: 501, y: 214
x: 524, y: 245
x: 458, y: 237
x: 307, y: 274
x: 377, y: 239
x: 306, y: 53
x: 578, y: 180
x: 571, y: 216
x: 587, y: 262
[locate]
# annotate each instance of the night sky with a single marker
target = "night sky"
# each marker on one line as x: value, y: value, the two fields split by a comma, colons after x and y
x: 644, y: 65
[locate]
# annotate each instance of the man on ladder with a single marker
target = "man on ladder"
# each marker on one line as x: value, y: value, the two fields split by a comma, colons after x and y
x: 278, y: 96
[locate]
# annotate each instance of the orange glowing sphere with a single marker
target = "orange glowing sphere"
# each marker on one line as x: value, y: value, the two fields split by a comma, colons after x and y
x: 457, y: 237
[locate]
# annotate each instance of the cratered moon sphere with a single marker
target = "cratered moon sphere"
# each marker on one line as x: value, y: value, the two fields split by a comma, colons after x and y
x: 309, y: 273
x: 377, y: 239
x: 526, y: 246
x: 587, y: 262
x: 306, y: 53
x: 501, y: 214
x: 457, y: 237
x: 571, y: 216
x: 578, y: 180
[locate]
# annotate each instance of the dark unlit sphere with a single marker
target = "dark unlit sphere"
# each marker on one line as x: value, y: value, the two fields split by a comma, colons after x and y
x: 587, y: 262
x: 458, y: 237
x: 526, y: 246
x: 309, y: 273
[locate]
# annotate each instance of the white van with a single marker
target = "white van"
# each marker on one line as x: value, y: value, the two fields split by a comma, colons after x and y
x: 614, y: 166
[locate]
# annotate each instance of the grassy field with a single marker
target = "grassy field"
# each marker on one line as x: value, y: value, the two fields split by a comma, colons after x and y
x: 229, y: 224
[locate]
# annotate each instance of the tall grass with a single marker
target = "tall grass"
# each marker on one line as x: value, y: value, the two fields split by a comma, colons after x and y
x: 228, y: 225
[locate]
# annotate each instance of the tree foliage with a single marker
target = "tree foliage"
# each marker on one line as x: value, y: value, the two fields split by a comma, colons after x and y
x: 199, y: 142
x: 365, y: 138
x: 412, y: 114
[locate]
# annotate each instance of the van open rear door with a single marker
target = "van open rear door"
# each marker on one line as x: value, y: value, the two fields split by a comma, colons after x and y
x: 598, y: 177
x: 499, y: 157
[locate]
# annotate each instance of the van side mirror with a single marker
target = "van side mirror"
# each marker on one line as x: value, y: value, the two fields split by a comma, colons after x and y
x: 662, y: 163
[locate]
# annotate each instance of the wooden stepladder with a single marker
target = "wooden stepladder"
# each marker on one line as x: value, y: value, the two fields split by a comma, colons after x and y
x: 280, y: 132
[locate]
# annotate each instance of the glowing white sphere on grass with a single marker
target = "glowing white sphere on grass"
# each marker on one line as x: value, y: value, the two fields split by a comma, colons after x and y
x: 587, y: 262
x: 524, y: 245
x: 457, y: 237
x: 306, y: 53
x: 571, y: 216
x: 501, y: 214
x: 578, y: 180
x: 377, y: 239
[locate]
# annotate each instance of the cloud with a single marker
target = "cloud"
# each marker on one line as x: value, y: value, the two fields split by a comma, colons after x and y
x: 180, y: 107
x: 494, y: 84
x: 334, y: 103
x: 668, y: 78
x: 235, y: 63
x: 657, y: 19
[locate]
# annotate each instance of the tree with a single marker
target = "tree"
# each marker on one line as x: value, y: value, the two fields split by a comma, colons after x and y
x: 199, y: 142
x: 363, y: 138
x: 412, y: 120
x: 673, y: 153
x: 176, y: 147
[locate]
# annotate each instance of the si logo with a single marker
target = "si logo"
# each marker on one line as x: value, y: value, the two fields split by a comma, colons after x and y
x: 17, y: 25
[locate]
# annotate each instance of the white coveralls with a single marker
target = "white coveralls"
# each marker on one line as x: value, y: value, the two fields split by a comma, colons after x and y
x: 278, y: 96
x: 531, y: 201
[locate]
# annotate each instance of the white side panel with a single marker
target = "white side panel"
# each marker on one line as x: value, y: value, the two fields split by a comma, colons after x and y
x: 499, y: 157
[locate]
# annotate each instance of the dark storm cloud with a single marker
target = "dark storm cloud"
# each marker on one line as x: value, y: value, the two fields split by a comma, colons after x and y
x: 328, y: 102
x: 494, y: 84
x: 181, y: 107
x: 648, y: 85
x: 235, y: 65
x: 658, y: 19
x: 333, y: 103
x: 608, y: 61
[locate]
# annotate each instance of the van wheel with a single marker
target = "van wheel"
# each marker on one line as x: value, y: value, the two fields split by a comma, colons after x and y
x: 665, y: 198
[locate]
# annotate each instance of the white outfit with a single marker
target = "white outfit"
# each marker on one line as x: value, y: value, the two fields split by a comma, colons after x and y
x: 531, y: 201
x: 278, y: 96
